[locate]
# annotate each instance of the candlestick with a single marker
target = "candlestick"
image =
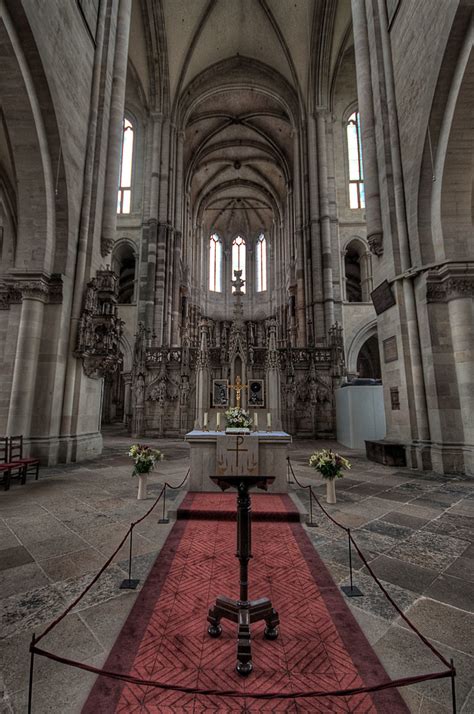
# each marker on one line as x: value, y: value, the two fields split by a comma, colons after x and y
x: 269, y: 421
x: 205, y: 421
x: 255, y: 420
x: 218, y: 421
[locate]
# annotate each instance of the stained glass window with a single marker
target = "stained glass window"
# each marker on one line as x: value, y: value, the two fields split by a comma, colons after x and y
x: 238, y: 258
x: 215, y: 263
x: 356, y: 171
x: 261, y: 263
x: 125, y: 181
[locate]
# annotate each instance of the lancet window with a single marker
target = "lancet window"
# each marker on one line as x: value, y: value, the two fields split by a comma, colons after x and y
x: 356, y: 171
x: 124, y: 200
x: 215, y: 263
x: 238, y: 258
x: 261, y: 263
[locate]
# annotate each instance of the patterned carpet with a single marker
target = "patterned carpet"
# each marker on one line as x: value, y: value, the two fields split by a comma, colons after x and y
x: 320, y: 646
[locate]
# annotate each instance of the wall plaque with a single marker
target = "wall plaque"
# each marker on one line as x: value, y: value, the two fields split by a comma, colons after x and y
x: 390, y: 349
x: 383, y: 297
x: 395, y: 398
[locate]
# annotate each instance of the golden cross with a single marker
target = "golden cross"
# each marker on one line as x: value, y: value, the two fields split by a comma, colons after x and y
x: 237, y: 387
x: 237, y: 450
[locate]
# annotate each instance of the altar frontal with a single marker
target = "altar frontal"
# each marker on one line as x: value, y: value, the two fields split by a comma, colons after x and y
x: 236, y: 455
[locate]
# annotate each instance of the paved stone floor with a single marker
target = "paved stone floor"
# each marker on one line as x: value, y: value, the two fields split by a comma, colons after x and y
x: 414, y: 528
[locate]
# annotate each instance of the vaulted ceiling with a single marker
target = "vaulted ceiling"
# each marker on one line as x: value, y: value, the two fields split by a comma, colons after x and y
x: 238, y: 77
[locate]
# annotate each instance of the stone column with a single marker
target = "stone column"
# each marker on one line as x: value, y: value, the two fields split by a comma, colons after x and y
x: 127, y: 406
x: 365, y: 262
x: 178, y: 244
x: 461, y: 318
x: 273, y: 380
x: 316, y: 252
x: 22, y: 399
x: 202, y: 377
x: 325, y: 221
x: 367, y: 123
x: 117, y: 104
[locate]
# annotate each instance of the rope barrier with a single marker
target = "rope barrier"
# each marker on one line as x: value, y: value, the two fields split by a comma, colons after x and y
x: 56, y: 622
x: 374, y: 576
x: 391, y: 684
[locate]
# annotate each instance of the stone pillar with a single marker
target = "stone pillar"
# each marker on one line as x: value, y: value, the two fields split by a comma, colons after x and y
x: 22, y: 399
x: 117, y: 104
x: 325, y: 221
x: 367, y: 123
x: 461, y: 317
x: 365, y: 262
x: 315, y: 232
x: 127, y: 402
x: 202, y: 377
x: 273, y: 379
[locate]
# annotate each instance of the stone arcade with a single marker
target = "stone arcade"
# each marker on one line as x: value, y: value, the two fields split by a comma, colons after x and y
x: 289, y: 150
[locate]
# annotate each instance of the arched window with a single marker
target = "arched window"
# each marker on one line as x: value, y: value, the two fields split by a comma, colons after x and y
x: 215, y: 263
x: 238, y: 258
x: 261, y: 263
x: 356, y: 171
x: 125, y: 181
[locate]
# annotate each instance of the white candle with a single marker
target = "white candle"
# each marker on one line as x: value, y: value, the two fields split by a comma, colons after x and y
x: 205, y: 419
x: 255, y: 419
x: 218, y: 419
x: 269, y: 420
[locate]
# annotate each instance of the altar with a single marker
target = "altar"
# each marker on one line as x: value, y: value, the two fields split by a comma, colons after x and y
x: 217, y: 453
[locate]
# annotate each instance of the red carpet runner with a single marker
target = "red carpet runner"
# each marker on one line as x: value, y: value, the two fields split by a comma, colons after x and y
x: 165, y: 637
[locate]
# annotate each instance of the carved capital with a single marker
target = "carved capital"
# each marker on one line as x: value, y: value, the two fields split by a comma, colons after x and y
x: 106, y: 245
x: 375, y: 241
x: 452, y: 281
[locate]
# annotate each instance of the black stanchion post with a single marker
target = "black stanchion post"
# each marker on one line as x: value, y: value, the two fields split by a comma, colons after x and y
x: 288, y: 470
x: 310, y: 523
x: 351, y: 590
x: 129, y: 584
x: 163, y: 518
x: 453, y: 685
x: 32, y: 663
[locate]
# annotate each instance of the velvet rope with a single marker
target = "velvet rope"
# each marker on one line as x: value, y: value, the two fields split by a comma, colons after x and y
x: 371, y: 572
x: 391, y: 684
x: 403, y: 682
x: 107, y: 563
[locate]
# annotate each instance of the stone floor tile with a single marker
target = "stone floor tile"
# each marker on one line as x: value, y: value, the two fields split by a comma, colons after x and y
x: 404, y: 519
x: 73, y: 564
x: 30, y: 530
x: 429, y: 550
x: 374, y: 601
x: 386, y: 528
x: 29, y: 610
x: 453, y: 591
x: 14, y: 557
x: 106, y: 588
x: 25, y: 577
x: 462, y: 568
x: 445, y: 624
x: 59, y: 545
x: 373, y: 627
x: 71, y: 638
x: 403, y: 654
x: 468, y: 706
x: 405, y: 575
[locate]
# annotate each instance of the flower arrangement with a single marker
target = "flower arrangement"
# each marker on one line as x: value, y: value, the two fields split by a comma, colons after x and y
x: 238, y: 418
x: 328, y: 463
x: 145, y: 458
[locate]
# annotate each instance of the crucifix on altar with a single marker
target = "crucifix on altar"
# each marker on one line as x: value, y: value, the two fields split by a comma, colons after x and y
x: 238, y: 387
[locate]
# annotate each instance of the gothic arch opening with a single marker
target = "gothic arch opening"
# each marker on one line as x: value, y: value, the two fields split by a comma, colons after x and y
x: 124, y: 266
x: 368, y: 359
